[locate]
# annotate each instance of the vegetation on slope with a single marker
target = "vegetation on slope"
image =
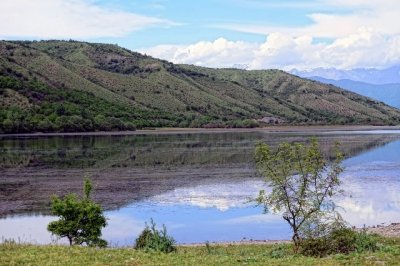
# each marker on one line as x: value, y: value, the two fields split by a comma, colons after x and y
x: 59, y: 86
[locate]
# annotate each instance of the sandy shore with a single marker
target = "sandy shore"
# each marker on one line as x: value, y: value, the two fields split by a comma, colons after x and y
x: 157, y: 131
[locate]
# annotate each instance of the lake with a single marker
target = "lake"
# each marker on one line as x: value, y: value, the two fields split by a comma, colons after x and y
x: 198, y: 185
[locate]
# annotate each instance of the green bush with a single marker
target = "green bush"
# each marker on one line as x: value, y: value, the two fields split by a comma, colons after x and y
x: 155, y: 240
x: 279, y: 251
x: 80, y: 220
x: 367, y: 242
x: 342, y: 240
x: 315, y: 247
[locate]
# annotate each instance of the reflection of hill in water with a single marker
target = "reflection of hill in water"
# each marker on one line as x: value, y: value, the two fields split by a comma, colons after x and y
x: 129, y: 168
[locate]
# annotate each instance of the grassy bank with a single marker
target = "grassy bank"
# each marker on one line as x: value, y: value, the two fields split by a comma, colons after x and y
x: 279, y: 254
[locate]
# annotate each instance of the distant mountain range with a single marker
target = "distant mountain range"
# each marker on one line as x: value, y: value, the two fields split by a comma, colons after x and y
x: 366, y: 75
x: 59, y: 86
x: 387, y: 93
x: 382, y: 85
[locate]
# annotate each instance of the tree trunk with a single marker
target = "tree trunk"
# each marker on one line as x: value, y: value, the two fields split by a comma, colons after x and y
x: 70, y: 240
x: 296, y: 240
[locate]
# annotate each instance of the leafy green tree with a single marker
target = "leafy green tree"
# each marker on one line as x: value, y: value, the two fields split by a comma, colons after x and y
x: 302, y: 183
x: 81, y: 220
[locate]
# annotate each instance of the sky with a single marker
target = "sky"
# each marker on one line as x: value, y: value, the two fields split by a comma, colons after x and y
x: 253, y: 34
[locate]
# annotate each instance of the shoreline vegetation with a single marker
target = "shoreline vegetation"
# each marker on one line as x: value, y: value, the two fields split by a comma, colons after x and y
x: 212, y: 254
x: 168, y: 130
x: 389, y: 231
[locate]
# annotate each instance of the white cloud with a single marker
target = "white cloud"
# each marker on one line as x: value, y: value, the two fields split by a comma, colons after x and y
x: 363, y: 33
x: 68, y: 19
x: 377, y: 15
x: 220, y: 52
x: 364, y: 48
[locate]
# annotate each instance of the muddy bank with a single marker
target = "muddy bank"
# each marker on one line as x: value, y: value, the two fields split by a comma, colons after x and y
x: 28, y: 190
x: 160, y: 131
x: 126, y: 169
x: 238, y: 243
x: 391, y: 230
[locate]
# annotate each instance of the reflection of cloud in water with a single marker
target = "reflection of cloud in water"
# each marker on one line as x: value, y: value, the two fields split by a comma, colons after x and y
x: 365, y: 211
x: 254, y: 219
x: 371, y: 192
x: 121, y: 229
x: 217, y: 211
x: 33, y: 229
x: 223, y: 196
x: 28, y: 229
x: 371, y: 196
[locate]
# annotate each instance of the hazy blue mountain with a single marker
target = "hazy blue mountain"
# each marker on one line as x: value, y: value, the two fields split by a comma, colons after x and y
x: 387, y: 93
x: 366, y: 75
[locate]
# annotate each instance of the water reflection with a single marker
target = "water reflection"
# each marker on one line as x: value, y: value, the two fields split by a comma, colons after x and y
x: 372, y: 183
x: 195, y: 184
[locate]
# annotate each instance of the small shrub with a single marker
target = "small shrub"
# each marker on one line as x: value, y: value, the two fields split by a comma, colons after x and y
x: 315, y: 247
x: 278, y: 252
x: 155, y: 240
x: 366, y: 242
x: 342, y: 241
x: 143, y: 239
x: 339, y: 241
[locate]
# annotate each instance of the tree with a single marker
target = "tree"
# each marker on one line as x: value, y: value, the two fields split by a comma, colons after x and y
x: 81, y: 220
x: 302, y: 183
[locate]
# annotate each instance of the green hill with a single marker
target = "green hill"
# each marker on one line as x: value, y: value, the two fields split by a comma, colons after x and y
x: 75, y: 86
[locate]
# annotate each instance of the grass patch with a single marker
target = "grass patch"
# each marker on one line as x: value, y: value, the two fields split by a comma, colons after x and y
x: 279, y: 254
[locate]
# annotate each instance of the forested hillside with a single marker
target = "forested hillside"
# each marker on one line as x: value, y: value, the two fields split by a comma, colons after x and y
x: 63, y: 86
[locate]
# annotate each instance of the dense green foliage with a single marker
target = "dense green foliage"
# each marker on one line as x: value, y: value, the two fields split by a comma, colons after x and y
x: 152, y: 239
x: 15, y: 254
x: 80, y: 221
x: 63, y: 110
x: 342, y: 240
x: 58, y: 86
x: 302, y: 184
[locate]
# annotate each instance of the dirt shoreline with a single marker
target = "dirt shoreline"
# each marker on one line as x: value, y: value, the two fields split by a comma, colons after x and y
x: 271, y: 129
x: 391, y: 230
x: 236, y: 243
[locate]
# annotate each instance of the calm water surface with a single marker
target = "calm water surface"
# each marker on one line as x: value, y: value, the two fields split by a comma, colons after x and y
x: 195, y: 184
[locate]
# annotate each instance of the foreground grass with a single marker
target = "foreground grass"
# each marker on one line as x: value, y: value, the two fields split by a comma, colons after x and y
x: 22, y: 254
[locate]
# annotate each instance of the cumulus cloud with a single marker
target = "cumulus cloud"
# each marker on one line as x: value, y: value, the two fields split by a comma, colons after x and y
x: 220, y: 52
x: 377, y: 15
x: 68, y: 19
x: 363, y: 34
x: 364, y: 48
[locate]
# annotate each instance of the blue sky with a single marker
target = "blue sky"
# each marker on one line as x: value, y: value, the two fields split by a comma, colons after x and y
x: 199, y: 20
x: 257, y: 34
